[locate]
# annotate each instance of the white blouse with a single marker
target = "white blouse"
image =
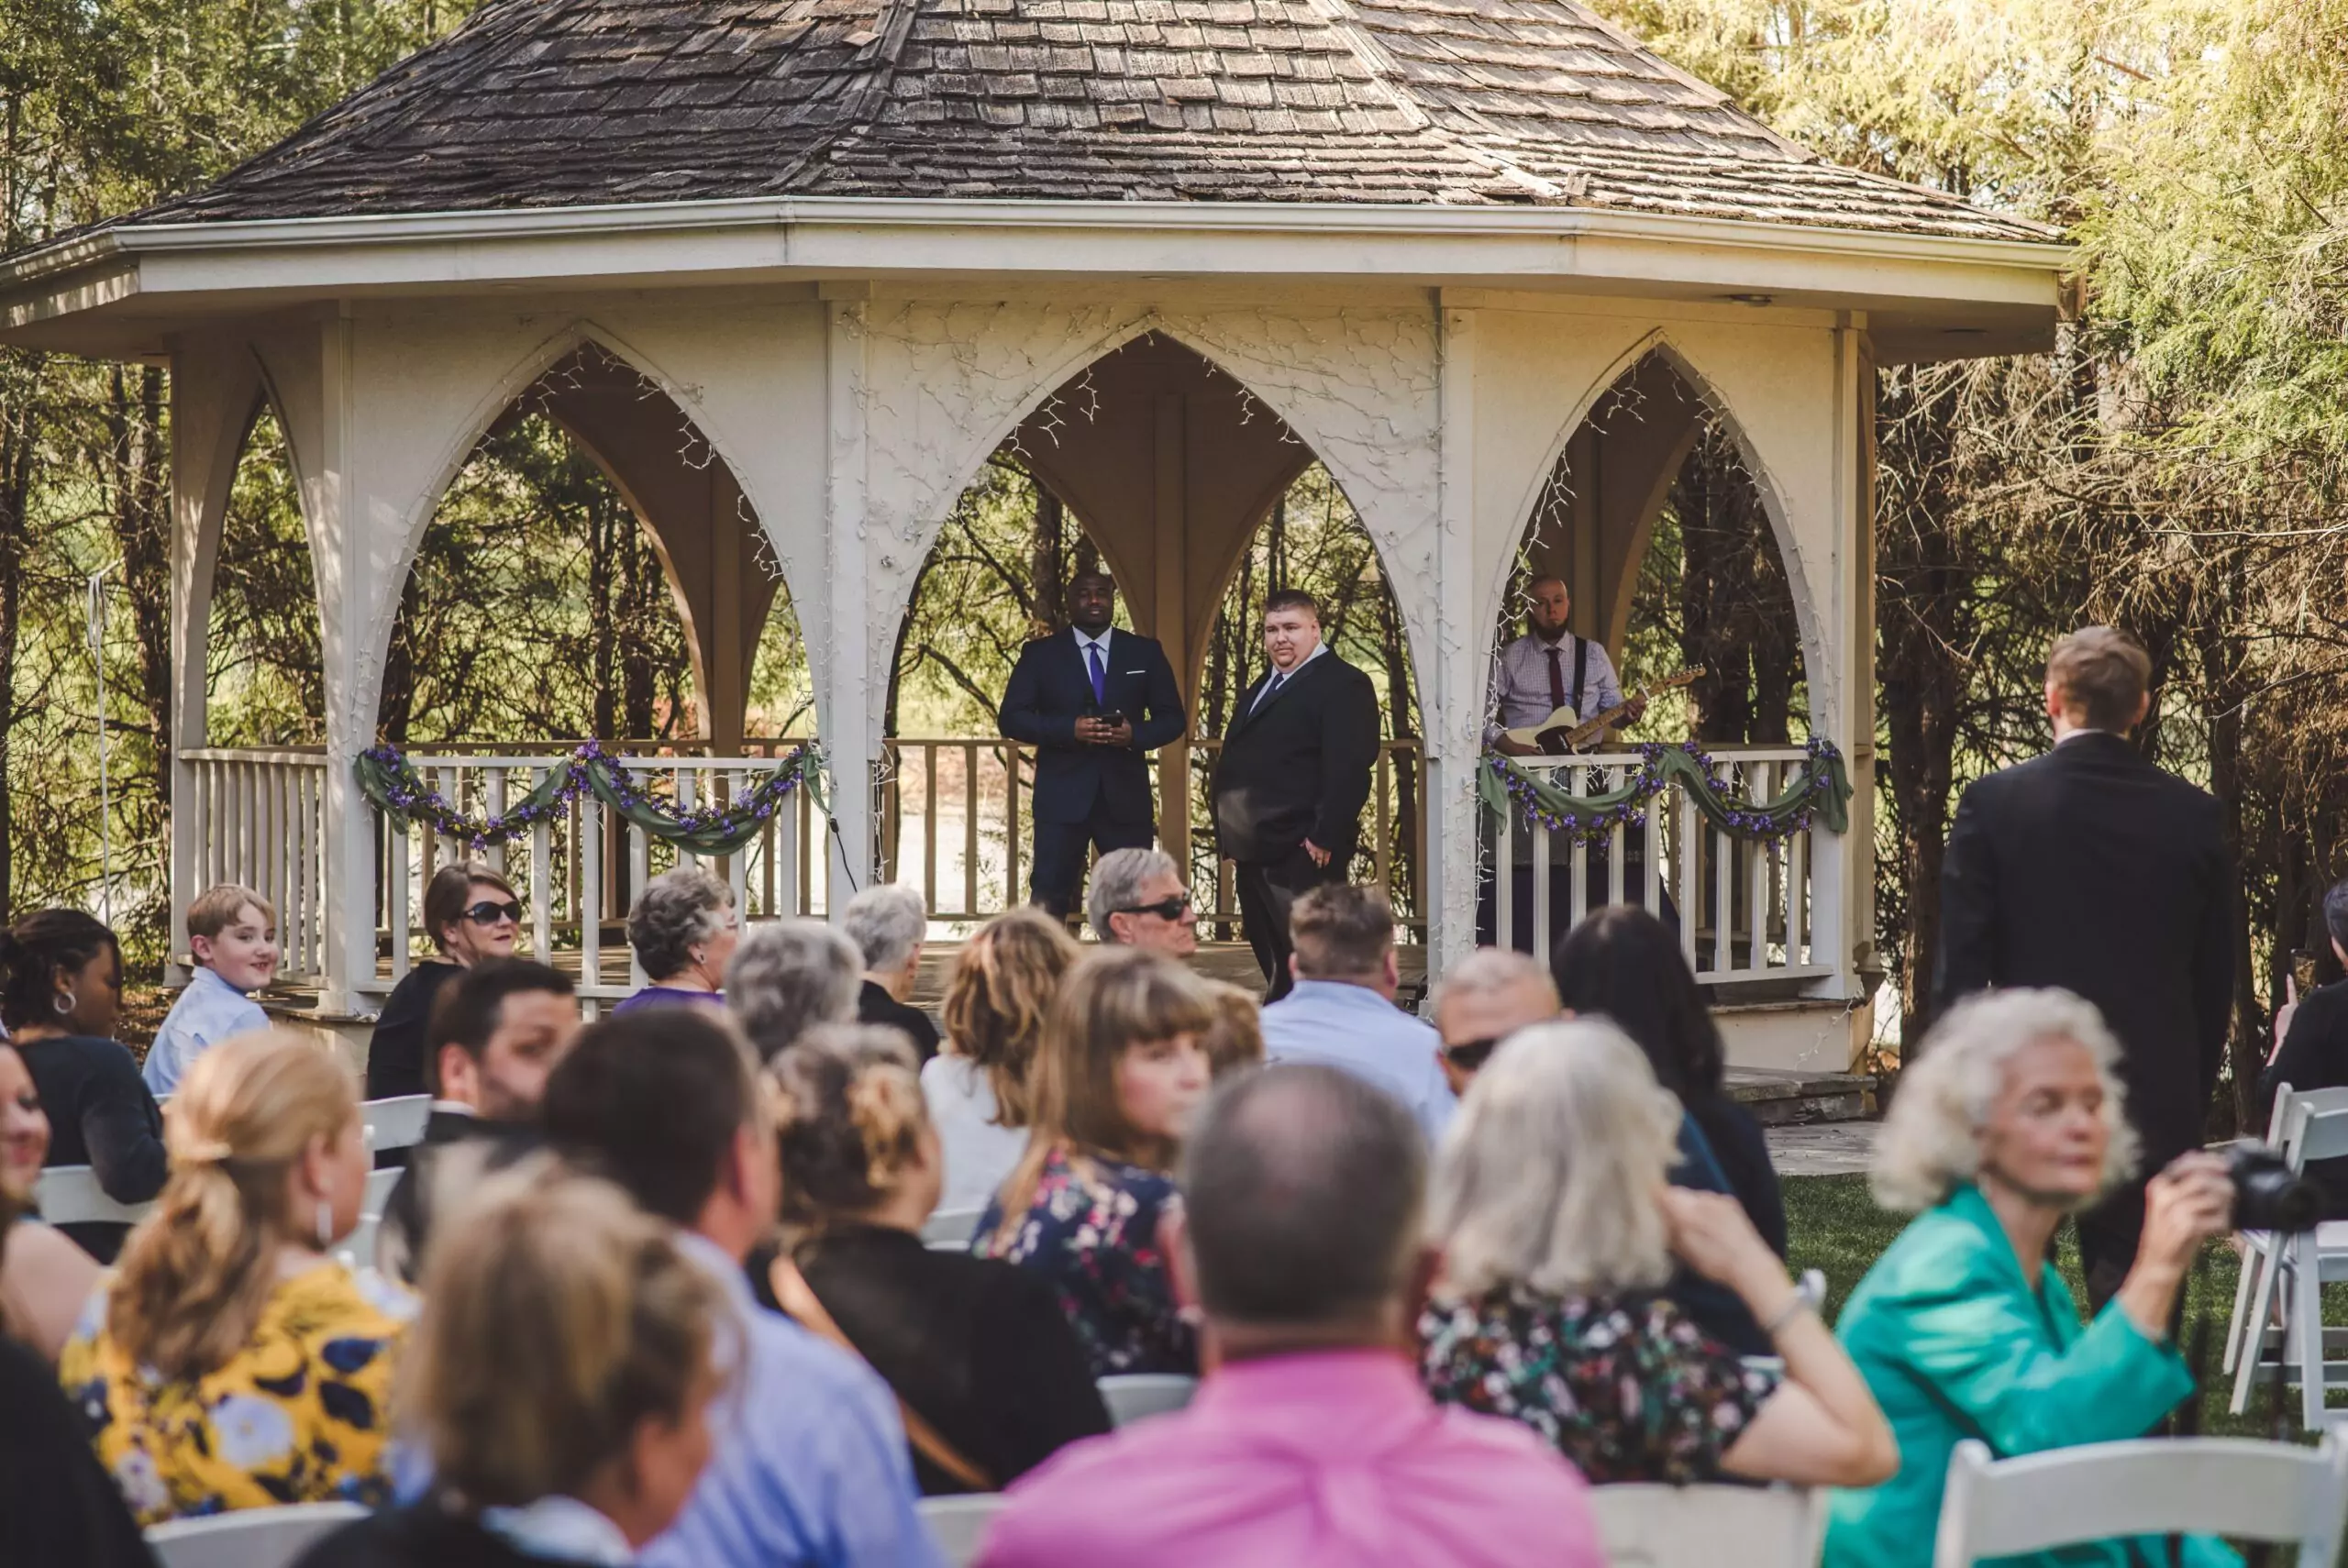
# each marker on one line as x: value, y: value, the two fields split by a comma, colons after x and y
x: 979, y: 1154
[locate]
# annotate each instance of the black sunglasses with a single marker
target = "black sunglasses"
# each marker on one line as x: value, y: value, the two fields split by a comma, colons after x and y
x: 1469, y: 1055
x: 1168, y: 908
x: 487, y: 913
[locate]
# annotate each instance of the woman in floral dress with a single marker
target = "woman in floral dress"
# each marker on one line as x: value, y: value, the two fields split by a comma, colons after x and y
x: 231, y: 1362
x: 1557, y: 1228
x: 1119, y: 1072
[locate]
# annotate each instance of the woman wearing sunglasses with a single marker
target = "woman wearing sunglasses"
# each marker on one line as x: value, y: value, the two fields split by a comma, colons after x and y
x: 471, y: 913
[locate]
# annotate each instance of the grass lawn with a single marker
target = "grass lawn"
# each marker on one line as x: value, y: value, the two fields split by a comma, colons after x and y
x: 1833, y: 1225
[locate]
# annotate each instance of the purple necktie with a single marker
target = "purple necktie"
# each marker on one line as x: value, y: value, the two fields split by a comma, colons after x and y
x: 1100, y: 676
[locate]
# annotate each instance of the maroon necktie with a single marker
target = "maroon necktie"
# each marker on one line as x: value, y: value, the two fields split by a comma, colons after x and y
x: 1556, y: 678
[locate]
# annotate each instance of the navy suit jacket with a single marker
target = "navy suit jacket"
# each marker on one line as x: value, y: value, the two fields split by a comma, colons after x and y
x: 1050, y: 688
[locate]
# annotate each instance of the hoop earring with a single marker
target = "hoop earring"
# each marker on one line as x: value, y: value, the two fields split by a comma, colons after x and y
x: 325, y: 1224
x: 64, y: 1004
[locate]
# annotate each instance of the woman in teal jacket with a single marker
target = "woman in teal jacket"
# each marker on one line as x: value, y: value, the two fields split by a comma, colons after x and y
x: 2010, y: 1120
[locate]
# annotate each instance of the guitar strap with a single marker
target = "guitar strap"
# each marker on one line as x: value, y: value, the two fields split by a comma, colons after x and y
x: 1582, y: 670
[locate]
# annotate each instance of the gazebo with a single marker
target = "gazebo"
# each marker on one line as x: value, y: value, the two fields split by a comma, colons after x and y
x: 857, y: 245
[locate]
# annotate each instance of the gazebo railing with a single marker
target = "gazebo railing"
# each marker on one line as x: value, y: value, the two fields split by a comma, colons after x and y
x: 1745, y: 908
x: 261, y: 820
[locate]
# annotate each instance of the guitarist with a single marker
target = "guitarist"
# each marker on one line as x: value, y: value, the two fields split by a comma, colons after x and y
x: 1548, y: 668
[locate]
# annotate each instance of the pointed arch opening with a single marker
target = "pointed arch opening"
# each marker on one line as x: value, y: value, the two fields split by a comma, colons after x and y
x: 264, y: 678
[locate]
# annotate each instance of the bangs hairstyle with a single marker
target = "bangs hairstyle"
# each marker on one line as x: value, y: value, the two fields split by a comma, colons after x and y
x: 1113, y: 1001
x: 450, y: 893
x: 558, y: 1316
x: 1003, y: 982
x: 1548, y: 1174
x: 1932, y: 1136
x: 196, y: 1274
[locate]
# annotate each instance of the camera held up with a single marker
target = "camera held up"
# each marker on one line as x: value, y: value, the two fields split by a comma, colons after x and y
x: 2268, y: 1193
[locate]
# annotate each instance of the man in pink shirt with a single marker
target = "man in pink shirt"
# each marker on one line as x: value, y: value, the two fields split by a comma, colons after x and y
x: 1311, y: 1443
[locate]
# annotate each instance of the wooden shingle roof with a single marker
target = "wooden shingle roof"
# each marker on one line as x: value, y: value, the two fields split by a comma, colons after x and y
x: 567, y: 103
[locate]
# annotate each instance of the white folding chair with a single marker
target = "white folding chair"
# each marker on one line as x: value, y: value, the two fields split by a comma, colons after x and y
x: 2314, y: 1127
x: 2227, y: 1487
x: 1654, y: 1526
x: 2257, y: 1256
x: 379, y: 1189
x: 398, y: 1122
x: 1138, y: 1395
x: 951, y: 1227
x: 249, y: 1537
x: 69, y: 1195
x: 958, y: 1524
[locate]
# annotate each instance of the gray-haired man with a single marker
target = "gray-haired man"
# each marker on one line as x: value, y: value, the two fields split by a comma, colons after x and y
x: 1137, y: 900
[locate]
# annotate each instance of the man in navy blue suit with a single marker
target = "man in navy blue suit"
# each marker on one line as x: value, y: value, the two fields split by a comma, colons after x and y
x: 1095, y: 702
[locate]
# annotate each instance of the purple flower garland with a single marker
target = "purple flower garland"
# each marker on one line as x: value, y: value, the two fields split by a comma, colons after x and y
x: 1824, y: 787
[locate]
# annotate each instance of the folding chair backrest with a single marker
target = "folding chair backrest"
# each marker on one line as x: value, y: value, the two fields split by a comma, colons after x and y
x: 954, y: 1225
x: 396, y: 1124
x: 379, y: 1189
x: 2228, y: 1486
x: 1136, y: 1395
x: 1653, y: 1526
x: 249, y: 1537
x: 2318, y: 1127
x: 69, y: 1195
x: 959, y: 1524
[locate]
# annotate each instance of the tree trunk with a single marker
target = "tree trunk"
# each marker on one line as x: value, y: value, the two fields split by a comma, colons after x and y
x: 1046, y: 564
x: 16, y: 443
x: 141, y: 525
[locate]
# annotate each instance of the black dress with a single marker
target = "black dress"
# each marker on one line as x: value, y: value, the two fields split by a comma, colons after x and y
x: 2315, y: 1056
x: 975, y: 1348
x: 875, y: 1005
x: 423, y: 1536
x: 59, y: 1508
x: 395, y: 1051
x: 101, y: 1114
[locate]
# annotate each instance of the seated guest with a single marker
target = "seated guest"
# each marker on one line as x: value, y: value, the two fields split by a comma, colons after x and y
x: 1236, y: 1041
x: 887, y: 924
x: 1481, y: 1001
x: 232, y: 936
x: 2009, y: 1120
x: 1557, y: 1231
x: 811, y: 1463
x: 57, y: 1502
x: 1310, y: 1441
x: 1115, y: 1083
x: 44, y: 1277
x: 60, y: 984
x: 496, y: 1033
x: 787, y: 977
x: 562, y: 1379
x: 683, y: 929
x: 472, y: 914
x: 1625, y: 965
x: 1342, y: 1013
x: 1002, y: 984
x: 231, y: 1362
x: 990, y: 1375
x: 1138, y: 898
x: 2311, y: 1051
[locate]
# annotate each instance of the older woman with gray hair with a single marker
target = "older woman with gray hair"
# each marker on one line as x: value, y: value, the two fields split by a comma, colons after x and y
x: 887, y: 922
x: 2010, y: 1120
x: 683, y: 929
x: 1557, y: 1226
x: 787, y: 977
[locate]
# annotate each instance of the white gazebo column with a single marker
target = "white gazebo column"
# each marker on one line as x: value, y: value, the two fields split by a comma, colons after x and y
x: 856, y: 632
x: 352, y: 670
x: 1842, y: 865
x: 1453, y: 697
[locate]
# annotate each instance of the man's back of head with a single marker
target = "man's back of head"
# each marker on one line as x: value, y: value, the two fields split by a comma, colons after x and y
x: 656, y: 1101
x: 1343, y: 932
x: 1302, y: 1188
x: 2099, y: 678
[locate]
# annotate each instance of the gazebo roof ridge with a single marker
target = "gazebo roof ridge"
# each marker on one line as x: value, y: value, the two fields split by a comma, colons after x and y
x: 547, y: 103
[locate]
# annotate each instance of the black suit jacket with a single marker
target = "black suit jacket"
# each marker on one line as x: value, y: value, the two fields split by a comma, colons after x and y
x: 1298, y: 768
x: 1050, y: 688
x: 2091, y: 869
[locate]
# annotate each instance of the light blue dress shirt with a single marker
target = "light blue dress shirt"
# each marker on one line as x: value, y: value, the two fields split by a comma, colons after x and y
x: 209, y: 1010
x: 809, y: 1464
x: 1332, y: 1024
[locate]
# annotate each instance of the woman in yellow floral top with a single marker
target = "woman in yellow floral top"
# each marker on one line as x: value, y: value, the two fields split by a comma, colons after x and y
x: 231, y: 1362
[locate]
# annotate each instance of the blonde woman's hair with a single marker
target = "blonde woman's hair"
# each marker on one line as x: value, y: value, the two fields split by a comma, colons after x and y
x: 558, y: 1316
x: 1548, y: 1175
x: 196, y: 1276
x: 1236, y: 1041
x: 848, y: 1119
x: 1932, y: 1136
x: 1113, y: 1000
x: 1003, y: 985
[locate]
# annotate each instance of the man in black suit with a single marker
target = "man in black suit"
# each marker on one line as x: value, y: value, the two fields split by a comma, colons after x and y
x: 2312, y: 1045
x: 2091, y: 869
x: 1293, y: 776
x: 1095, y: 702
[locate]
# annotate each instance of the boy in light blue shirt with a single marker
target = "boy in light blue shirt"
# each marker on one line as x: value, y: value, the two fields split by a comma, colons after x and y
x: 232, y: 932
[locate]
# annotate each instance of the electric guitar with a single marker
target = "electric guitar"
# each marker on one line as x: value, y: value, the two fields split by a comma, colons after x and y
x: 1566, y: 731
